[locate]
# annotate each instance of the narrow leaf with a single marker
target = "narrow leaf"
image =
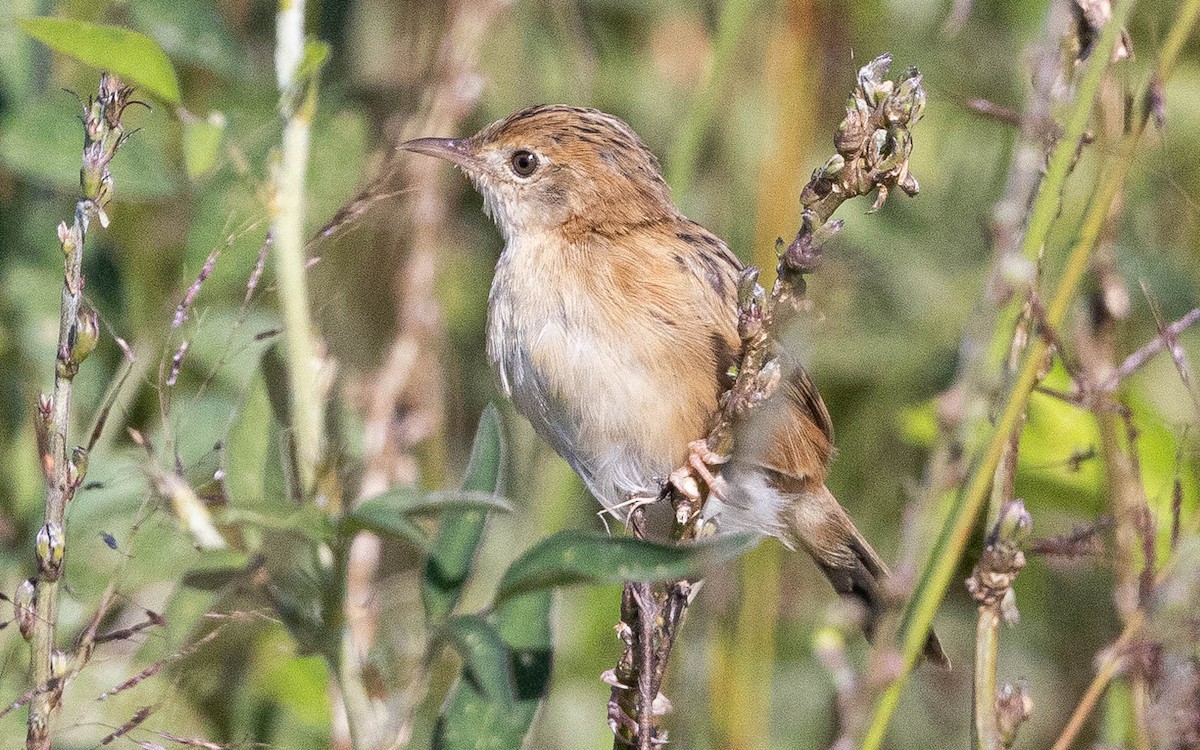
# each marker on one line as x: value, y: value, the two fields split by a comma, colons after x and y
x: 407, y: 501
x: 128, y: 54
x: 316, y: 53
x: 380, y: 515
x: 217, y: 569
x: 458, y: 535
x: 469, y: 720
x: 485, y: 657
x: 573, y: 557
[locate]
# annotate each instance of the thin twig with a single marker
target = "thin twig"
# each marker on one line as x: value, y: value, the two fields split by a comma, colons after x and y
x: 390, y: 441
x: 78, y: 333
x: 945, y: 557
x: 991, y: 585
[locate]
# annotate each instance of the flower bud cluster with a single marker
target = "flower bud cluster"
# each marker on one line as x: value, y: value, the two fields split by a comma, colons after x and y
x: 874, y: 140
x: 103, y: 135
x: 1002, y: 559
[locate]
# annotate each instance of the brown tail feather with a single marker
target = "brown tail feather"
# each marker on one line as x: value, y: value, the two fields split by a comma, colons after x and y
x: 819, y: 524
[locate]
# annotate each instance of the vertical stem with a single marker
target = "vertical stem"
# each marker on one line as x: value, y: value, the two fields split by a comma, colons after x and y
x: 287, y: 228
x: 986, y: 733
x: 57, y: 494
x: 77, y: 336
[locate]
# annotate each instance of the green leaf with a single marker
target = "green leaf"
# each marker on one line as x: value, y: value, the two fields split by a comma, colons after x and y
x: 380, y: 515
x: 217, y: 569
x: 316, y: 53
x: 192, y: 32
x: 390, y: 511
x: 469, y: 719
x: 408, y: 501
x: 449, y: 565
x: 524, y: 625
x: 201, y: 144
x: 573, y: 557
x: 127, y: 54
x: 298, y: 595
x: 484, y: 655
x: 308, y: 521
x: 275, y: 374
x: 248, y: 442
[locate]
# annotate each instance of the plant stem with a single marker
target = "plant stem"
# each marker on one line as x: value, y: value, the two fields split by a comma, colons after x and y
x: 946, y: 554
x: 985, y: 734
x: 78, y: 333
x: 287, y: 229
x: 57, y: 495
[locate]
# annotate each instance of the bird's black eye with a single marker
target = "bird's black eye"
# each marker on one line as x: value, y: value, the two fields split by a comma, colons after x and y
x: 524, y: 162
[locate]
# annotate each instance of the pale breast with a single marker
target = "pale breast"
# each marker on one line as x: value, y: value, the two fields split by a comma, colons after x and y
x: 595, y: 388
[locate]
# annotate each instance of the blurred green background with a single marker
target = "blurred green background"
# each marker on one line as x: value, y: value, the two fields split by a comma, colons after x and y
x: 760, y: 85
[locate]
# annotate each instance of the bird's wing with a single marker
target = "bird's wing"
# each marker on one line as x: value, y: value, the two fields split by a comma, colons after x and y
x: 790, y: 434
x: 795, y: 422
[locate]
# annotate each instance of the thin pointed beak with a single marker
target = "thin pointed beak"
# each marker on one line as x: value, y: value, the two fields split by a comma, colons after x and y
x: 454, y: 150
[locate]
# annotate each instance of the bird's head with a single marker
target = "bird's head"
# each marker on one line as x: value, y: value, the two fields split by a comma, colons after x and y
x: 554, y: 167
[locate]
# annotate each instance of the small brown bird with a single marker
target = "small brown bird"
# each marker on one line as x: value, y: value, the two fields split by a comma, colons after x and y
x: 612, y: 325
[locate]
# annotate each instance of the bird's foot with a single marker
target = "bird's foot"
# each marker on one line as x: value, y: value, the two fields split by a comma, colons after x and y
x: 686, y: 479
x: 700, y: 459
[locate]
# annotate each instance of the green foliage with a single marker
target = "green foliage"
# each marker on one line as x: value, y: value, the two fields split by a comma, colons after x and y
x: 127, y: 54
x: 518, y: 675
x: 738, y: 100
x: 505, y: 653
x: 573, y: 557
x: 484, y: 656
x: 316, y: 54
x: 448, y: 566
x: 201, y: 143
x: 390, y: 512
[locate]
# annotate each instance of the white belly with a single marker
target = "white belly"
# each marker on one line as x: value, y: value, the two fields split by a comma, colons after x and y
x: 580, y: 384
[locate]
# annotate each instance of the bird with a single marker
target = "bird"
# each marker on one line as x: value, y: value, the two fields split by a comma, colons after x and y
x: 612, y: 327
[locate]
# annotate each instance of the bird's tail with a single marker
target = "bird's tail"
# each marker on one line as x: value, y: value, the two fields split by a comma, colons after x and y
x: 819, y: 524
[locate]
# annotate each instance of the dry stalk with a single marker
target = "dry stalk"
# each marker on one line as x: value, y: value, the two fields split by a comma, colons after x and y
x: 297, y: 105
x: 389, y: 443
x: 965, y: 403
x: 1095, y: 384
x: 78, y: 333
x: 873, y: 144
x: 998, y: 712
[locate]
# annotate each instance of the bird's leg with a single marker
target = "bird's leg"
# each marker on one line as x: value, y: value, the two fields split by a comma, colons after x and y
x: 700, y: 458
x: 630, y: 508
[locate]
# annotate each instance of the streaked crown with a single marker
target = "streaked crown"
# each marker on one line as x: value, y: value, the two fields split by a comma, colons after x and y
x: 555, y: 166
